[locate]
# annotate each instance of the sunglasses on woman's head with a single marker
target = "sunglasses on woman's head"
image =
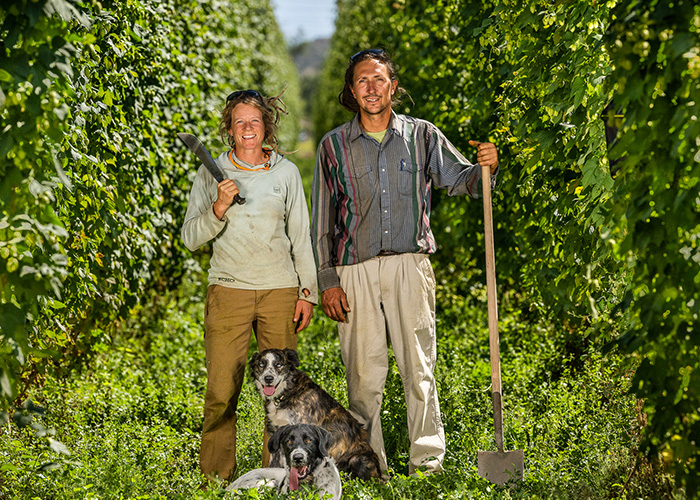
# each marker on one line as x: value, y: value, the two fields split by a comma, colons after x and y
x: 374, y: 52
x: 250, y: 93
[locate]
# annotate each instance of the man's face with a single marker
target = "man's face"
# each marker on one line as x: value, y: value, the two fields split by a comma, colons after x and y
x: 372, y: 87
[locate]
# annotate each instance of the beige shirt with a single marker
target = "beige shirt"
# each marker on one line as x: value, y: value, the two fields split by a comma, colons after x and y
x: 260, y: 245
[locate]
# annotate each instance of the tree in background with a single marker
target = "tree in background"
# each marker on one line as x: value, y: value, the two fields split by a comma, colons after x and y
x: 653, y: 218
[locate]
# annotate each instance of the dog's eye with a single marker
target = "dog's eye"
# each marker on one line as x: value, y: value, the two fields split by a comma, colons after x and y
x: 261, y: 364
x: 307, y: 440
x: 278, y: 365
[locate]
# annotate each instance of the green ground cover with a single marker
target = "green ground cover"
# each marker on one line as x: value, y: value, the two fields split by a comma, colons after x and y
x: 126, y: 425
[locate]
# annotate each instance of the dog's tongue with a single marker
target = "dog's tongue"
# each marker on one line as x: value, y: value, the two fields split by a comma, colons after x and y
x: 269, y: 390
x: 293, y: 478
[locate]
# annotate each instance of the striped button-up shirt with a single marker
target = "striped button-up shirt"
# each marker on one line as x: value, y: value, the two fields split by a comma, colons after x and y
x: 369, y: 197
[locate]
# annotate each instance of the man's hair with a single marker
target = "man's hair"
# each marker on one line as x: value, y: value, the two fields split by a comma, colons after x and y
x: 381, y: 56
x: 270, y: 107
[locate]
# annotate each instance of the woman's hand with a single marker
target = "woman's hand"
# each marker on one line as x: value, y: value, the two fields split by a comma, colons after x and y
x: 225, y: 191
x: 303, y: 312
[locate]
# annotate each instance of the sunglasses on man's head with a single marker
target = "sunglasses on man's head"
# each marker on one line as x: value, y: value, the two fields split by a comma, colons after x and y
x: 373, y: 52
x: 250, y: 93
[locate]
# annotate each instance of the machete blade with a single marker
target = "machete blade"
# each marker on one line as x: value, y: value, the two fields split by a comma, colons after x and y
x: 205, y: 157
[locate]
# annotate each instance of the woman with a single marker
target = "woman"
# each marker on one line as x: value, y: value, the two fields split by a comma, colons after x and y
x: 262, y: 275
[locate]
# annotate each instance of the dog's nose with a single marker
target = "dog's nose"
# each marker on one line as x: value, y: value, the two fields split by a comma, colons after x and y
x: 269, y: 379
x: 297, y: 457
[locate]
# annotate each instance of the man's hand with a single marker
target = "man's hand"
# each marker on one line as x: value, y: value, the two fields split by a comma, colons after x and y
x: 335, y: 303
x: 486, y: 154
x: 225, y: 191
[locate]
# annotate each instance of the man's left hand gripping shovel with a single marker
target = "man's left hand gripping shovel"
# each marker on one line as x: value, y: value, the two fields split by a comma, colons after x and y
x: 198, y: 149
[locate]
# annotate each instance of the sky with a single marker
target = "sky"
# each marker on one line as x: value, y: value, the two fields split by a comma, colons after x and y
x: 304, y: 20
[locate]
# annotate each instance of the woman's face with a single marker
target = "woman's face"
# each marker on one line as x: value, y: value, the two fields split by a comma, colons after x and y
x: 247, y: 127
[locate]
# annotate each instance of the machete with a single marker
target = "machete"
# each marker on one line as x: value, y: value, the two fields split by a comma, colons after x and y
x: 198, y: 149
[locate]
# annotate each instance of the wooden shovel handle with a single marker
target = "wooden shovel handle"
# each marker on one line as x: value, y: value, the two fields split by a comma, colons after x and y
x: 492, y: 308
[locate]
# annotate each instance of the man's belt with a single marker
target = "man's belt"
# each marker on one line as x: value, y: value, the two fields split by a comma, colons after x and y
x: 386, y: 253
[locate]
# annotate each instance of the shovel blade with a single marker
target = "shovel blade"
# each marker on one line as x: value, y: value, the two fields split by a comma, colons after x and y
x: 499, y: 467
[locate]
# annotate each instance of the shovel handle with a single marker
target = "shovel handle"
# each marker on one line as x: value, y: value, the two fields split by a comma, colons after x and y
x: 492, y: 308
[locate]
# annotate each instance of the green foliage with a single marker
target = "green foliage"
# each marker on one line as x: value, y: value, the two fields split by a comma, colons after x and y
x: 131, y: 420
x: 93, y: 186
x: 129, y: 423
x: 32, y: 261
x: 654, y: 217
x: 94, y: 183
x: 608, y: 257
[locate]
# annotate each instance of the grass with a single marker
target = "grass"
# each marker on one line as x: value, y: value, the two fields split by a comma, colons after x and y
x: 130, y: 420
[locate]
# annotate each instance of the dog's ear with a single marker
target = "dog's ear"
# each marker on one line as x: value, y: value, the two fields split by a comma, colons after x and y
x: 276, y: 440
x: 292, y: 357
x: 325, y: 439
x: 253, y: 361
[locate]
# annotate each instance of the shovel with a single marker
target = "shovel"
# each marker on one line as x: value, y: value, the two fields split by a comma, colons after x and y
x: 500, y: 466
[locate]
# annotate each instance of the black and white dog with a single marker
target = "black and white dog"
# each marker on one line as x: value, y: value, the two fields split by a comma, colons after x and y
x: 305, y: 449
x: 291, y: 397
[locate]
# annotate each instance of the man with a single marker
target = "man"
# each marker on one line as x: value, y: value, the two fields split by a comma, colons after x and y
x: 372, y: 238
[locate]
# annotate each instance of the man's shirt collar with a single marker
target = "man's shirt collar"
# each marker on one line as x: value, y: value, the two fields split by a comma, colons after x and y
x: 395, y: 125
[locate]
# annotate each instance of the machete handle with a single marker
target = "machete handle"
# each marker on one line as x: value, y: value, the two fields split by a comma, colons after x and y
x: 237, y: 198
x: 219, y: 177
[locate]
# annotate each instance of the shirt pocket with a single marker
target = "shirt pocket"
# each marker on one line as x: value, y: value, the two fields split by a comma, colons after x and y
x: 408, y: 177
x: 359, y: 171
x: 359, y: 185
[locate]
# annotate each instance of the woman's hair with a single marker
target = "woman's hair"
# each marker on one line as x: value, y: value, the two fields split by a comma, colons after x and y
x: 270, y: 107
x: 346, y: 98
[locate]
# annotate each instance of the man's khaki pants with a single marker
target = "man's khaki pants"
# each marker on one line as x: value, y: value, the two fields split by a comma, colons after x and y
x: 230, y: 315
x: 394, y: 294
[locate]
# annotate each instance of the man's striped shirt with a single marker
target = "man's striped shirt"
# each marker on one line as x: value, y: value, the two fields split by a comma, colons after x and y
x: 369, y: 197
